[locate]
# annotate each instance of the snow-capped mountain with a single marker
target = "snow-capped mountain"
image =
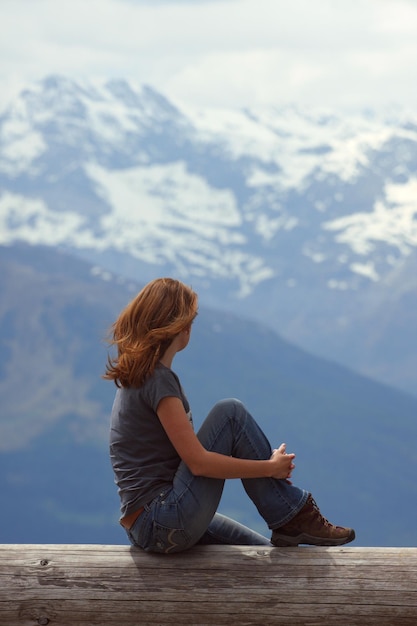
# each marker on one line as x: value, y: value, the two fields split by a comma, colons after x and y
x: 306, y: 220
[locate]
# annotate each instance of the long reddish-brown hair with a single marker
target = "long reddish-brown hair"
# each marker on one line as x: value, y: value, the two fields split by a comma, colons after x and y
x: 146, y: 327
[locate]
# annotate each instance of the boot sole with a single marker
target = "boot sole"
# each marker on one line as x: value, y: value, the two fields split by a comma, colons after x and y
x: 287, y: 541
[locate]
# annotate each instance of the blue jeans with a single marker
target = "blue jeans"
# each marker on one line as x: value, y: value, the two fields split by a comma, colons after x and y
x: 185, y: 514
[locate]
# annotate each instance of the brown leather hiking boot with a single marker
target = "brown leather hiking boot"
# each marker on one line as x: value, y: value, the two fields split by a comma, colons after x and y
x: 310, y: 527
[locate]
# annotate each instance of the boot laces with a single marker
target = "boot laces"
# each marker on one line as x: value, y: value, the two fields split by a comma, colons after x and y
x: 321, y: 517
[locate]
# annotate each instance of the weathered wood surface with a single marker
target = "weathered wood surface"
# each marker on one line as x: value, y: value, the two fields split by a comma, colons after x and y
x: 87, y: 585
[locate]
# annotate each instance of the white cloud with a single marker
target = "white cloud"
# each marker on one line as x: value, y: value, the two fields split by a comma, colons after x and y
x: 234, y: 53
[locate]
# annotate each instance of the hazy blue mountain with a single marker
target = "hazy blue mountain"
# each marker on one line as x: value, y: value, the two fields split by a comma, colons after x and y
x: 304, y: 220
x: 354, y: 438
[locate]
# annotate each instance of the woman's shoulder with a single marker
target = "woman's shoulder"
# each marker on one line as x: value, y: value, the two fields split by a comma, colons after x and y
x: 162, y: 383
x: 163, y: 374
x: 162, y: 379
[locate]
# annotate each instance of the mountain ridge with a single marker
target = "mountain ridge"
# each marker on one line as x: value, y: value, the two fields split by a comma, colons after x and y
x: 310, y: 213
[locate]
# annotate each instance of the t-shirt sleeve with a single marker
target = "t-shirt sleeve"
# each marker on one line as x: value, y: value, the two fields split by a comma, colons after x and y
x: 162, y: 384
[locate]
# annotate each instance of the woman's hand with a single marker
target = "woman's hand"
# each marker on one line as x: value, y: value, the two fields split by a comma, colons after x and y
x: 283, y: 462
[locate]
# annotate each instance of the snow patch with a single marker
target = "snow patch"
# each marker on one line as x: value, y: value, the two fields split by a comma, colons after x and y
x: 32, y: 221
x: 164, y: 213
x: 365, y: 269
x: 333, y: 283
x: 392, y: 221
x: 20, y: 146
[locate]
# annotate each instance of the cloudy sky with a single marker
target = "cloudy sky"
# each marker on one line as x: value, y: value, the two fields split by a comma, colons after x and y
x: 233, y: 53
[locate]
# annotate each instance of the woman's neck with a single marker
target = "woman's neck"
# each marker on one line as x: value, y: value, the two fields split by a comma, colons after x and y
x: 179, y: 342
x: 169, y: 354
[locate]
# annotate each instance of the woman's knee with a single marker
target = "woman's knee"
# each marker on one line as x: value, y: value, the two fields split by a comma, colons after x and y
x: 230, y: 405
x: 223, y: 412
x: 230, y: 409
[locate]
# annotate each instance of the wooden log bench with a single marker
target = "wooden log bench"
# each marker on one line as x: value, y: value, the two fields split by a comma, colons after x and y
x: 84, y: 585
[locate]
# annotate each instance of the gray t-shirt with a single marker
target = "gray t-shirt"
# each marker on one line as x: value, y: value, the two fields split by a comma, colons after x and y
x: 143, y: 458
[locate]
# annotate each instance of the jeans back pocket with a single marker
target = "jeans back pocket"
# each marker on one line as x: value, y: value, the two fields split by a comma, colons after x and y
x: 166, y: 540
